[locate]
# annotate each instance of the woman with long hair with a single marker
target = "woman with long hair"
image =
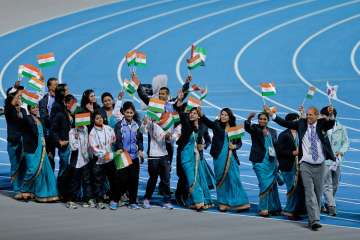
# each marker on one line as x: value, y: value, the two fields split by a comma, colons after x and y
x: 192, y: 163
x: 230, y: 192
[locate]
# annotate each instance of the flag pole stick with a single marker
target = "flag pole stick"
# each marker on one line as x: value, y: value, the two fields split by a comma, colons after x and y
x: 303, y: 102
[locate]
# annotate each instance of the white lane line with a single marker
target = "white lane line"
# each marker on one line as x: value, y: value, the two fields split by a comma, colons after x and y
x: 182, y: 56
x: 181, y: 25
x: 304, y: 43
x: 352, y: 57
x: 241, y: 52
x: 349, y: 118
x: 3, y: 70
x: 166, y: 13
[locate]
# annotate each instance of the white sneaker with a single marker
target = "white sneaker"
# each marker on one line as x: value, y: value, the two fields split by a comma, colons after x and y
x: 146, y: 204
x: 168, y: 206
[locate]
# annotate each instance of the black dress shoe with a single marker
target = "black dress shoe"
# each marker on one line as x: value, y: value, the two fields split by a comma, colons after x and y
x: 315, y: 226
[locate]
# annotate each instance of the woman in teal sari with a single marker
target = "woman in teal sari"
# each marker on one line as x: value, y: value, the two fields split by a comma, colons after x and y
x: 287, y: 153
x: 12, y: 111
x: 230, y: 192
x: 196, y: 169
x: 39, y: 179
x: 263, y: 157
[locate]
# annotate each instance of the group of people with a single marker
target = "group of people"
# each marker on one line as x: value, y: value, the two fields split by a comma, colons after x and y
x: 306, y: 157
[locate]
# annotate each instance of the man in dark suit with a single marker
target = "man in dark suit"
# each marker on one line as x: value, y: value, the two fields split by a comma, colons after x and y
x: 314, y: 148
x: 45, y: 106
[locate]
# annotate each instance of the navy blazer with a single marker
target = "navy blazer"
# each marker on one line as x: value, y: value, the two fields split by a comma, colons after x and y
x: 285, y: 147
x: 322, y: 126
x: 218, y: 138
x: 257, y: 152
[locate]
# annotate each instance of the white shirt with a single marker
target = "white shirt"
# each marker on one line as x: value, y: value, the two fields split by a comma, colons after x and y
x: 81, y: 144
x: 101, y: 140
x: 306, y: 147
x: 157, y: 140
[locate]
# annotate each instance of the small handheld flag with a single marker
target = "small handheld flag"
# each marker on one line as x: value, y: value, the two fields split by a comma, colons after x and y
x: 131, y: 58
x: 82, y: 119
x: 331, y: 91
x: 36, y: 85
x: 122, y: 160
x: 140, y: 59
x: 204, y: 93
x: 310, y: 93
x: 192, y: 102
x: 236, y: 132
x: 30, y: 98
x: 156, y: 105
x: 268, y: 89
x: 166, y: 121
x: 30, y: 71
x: 45, y: 60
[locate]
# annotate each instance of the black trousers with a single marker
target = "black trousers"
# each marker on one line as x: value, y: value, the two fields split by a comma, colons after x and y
x: 128, y: 179
x: 80, y: 182
x: 158, y: 166
x: 100, y: 173
x: 182, y: 185
x: 170, y: 150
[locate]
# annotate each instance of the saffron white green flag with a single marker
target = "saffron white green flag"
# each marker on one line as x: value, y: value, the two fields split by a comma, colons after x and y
x: 140, y: 59
x: 194, y: 62
x: 310, y: 93
x: 30, y: 71
x: 30, y: 98
x: 131, y: 58
x: 45, y: 60
x: 236, y: 132
x: 268, y: 89
x: 122, y: 160
x: 82, y: 119
x: 201, y: 52
x: 166, y: 121
x: 156, y: 105
x: 36, y: 84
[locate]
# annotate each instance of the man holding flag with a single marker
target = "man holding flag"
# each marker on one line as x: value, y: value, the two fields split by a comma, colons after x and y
x: 314, y: 149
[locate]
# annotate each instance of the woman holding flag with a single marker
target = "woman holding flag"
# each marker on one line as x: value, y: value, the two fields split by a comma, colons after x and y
x: 263, y: 157
x: 129, y: 147
x: 230, y: 192
x: 194, y: 167
x: 39, y: 179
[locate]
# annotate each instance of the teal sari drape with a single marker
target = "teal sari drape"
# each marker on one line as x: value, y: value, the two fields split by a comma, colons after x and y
x: 39, y: 179
x: 197, y: 177
x: 16, y: 165
x: 266, y: 173
x: 229, y: 189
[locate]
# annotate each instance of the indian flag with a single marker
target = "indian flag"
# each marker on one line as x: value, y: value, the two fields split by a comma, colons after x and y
x: 156, y: 105
x: 132, y: 86
x: 193, y: 102
x: 72, y: 106
x: 45, y: 60
x: 311, y: 92
x: 194, y: 62
x: 31, y: 71
x: 153, y: 115
x: 140, y: 59
x: 201, y: 52
x: 176, y: 117
x: 36, y: 84
x: 30, y: 98
x: 268, y: 89
x: 131, y: 58
x: 122, y: 160
x: 204, y: 93
x: 236, y: 132
x: 82, y: 119
x: 166, y: 121
x: 195, y: 87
